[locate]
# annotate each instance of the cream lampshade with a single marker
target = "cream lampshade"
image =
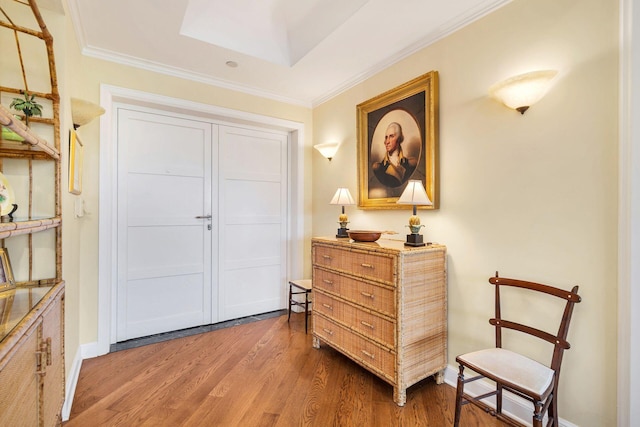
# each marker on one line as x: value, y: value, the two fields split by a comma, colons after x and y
x: 414, y: 194
x: 342, y: 197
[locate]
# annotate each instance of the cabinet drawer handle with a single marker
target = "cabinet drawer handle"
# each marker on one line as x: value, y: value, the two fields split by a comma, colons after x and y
x: 41, y: 359
x: 327, y: 331
x: 327, y: 257
x: 328, y: 282
x: 365, y: 294
x: 327, y: 306
x: 366, y: 265
x: 366, y: 353
x: 48, y: 351
x: 368, y: 325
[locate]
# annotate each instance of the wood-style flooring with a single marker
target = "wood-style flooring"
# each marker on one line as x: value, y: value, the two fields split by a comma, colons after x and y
x: 259, y: 374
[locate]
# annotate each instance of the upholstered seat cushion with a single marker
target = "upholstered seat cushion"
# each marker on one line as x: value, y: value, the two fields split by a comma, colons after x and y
x: 525, y: 374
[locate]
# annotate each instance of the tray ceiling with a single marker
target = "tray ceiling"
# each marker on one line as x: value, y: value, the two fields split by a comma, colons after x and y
x: 301, y: 52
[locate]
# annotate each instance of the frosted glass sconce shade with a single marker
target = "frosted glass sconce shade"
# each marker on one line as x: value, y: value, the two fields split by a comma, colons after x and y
x: 82, y: 112
x: 522, y: 91
x: 328, y: 149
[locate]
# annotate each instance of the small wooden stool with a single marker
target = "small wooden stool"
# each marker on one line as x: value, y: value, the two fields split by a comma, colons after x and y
x: 304, y: 286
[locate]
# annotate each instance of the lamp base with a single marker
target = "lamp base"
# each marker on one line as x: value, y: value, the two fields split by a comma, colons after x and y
x: 342, y: 232
x: 414, y: 240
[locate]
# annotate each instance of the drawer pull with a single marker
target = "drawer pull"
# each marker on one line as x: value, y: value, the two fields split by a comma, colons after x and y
x: 48, y: 351
x: 327, y: 257
x: 366, y: 353
x: 43, y: 357
x: 368, y: 325
x: 328, y: 282
x: 366, y: 265
x: 327, y: 306
x: 327, y: 331
x: 366, y: 294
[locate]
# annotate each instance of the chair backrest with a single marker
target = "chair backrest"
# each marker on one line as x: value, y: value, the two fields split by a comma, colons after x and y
x: 559, y: 340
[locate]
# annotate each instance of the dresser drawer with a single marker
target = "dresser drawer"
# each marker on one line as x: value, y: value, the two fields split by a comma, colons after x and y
x: 372, y: 266
x: 378, y: 358
x: 328, y: 306
x: 328, y: 257
x: 371, y: 325
x: 327, y: 281
x: 368, y: 324
x: 374, y: 297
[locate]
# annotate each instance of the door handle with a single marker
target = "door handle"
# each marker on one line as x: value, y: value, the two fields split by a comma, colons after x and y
x: 203, y: 217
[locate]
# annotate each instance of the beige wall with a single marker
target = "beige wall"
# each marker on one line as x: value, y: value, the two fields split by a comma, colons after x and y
x: 533, y: 196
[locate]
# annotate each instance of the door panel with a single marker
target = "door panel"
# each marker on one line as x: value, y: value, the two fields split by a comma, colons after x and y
x: 163, y: 200
x: 159, y: 251
x: 164, y: 250
x: 253, y: 206
x: 184, y: 310
x: 251, y: 296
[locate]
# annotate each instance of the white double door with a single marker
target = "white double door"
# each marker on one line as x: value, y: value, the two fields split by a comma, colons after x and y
x: 202, y: 214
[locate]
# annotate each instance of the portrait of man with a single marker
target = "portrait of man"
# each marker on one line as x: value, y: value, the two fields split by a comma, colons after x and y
x: 395, y: 153
x: 394, y: 169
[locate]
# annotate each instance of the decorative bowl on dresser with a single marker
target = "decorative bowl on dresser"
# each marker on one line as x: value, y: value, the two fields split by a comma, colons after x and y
x: 364, y: 235
x: 383, y: 305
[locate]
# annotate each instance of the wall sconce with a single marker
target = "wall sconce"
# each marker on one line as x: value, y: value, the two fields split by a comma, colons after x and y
x: 82, y: 112
x: 342, y: 197
x: 522, y: 91
x: 327, y: 149
x: 414, y: 194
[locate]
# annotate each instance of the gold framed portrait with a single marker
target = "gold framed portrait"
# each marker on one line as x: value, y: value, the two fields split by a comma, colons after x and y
x: 398, y: 141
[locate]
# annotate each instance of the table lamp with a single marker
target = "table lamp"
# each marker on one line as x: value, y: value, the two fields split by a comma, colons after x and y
x: 342, y: 197
x: 414, y: 194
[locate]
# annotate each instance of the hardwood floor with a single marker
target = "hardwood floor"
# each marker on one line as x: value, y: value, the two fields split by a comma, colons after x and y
x: 260, y: 374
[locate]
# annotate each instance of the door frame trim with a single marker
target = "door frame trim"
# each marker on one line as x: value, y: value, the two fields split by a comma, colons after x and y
x: 107, y: 269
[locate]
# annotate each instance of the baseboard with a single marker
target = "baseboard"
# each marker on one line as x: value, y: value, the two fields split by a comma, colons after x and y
x: 70, y: 389
x: 89, y: 351
x: 86, y: 351
x: 513, y: 406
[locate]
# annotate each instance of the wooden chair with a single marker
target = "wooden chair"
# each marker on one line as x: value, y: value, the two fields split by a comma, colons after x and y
x: 303, y: 286
x: 514, y: 372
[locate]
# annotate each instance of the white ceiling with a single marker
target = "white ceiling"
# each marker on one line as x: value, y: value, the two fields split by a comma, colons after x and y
x: 298, y: 51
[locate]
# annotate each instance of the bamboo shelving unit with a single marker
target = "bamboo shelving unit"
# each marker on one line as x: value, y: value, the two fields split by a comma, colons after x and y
x: 34, y: 147
x: 32, y: 367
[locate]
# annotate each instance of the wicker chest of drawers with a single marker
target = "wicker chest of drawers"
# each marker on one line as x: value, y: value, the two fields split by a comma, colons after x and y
x: 384, y: 306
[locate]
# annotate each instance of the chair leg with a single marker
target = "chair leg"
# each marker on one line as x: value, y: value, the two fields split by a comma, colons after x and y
x: 553, y: 410
x: 537, y: 414
x: 498, y: 399
x: 459, y: 392
x: 306, y: 311
x: 289, y: 318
